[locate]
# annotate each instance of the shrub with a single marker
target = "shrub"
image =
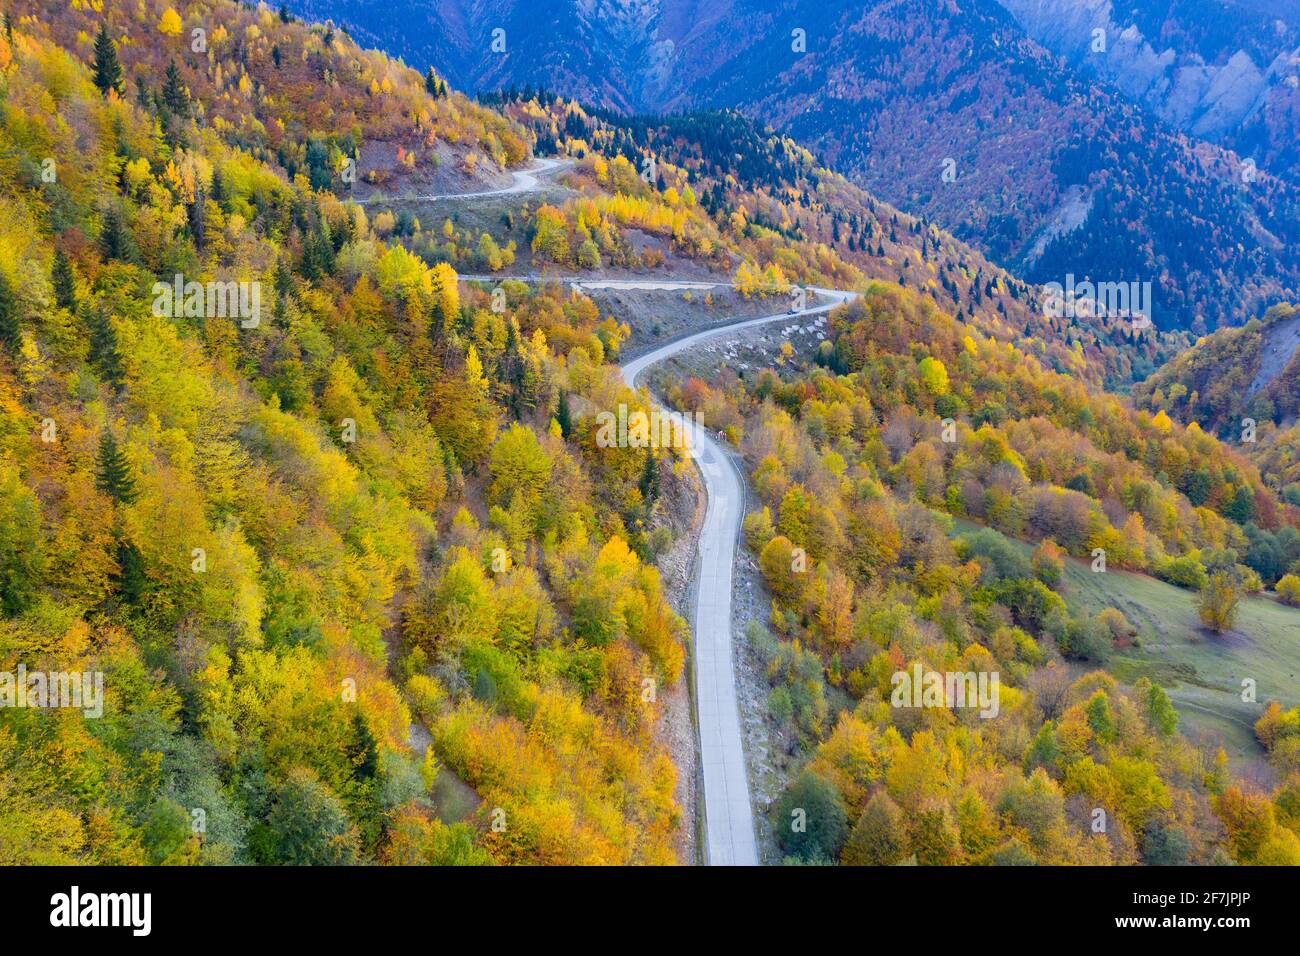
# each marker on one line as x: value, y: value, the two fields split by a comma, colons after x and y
x: 1048, y: 563
x: 1288, y: 590
x: 1002, y: 560
x: 1219, y: 601
x: 1185, y: 572
x: 810, y: 820
x: 758, y: 529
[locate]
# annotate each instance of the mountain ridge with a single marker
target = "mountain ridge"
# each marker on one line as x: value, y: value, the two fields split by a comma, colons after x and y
x: 950, y: 112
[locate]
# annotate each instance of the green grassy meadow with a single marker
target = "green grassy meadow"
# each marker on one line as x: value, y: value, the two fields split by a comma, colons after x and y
x: 1203, y: 672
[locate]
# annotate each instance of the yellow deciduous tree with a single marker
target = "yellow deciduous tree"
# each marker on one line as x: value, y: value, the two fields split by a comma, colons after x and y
x: 169, y: 24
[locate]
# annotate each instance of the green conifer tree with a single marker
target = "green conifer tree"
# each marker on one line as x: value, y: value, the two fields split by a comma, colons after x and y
x: 175, y: 95
x: 104, y: 356
x: 113, y: 471
x: 64, y: 282
x: 108, y: 71
x: 114, y: 239
x: 10, y: 336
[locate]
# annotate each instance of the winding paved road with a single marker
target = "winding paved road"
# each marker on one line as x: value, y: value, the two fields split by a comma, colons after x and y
x: 522, y: 181
x: 728, y: 807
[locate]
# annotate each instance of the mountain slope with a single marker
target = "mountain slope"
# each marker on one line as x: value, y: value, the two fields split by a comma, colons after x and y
x: 1212, y: 68
x: 1251, y: 371
x: 1053, y: 175
x: 323, y: 526
x: 855, y: 475
x: 737, y: 168
x: 1244, y: 385
x: 363, y: 579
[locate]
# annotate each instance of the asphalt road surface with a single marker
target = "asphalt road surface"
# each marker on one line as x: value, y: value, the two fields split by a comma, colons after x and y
x: 522, y: 181
x: 728, y: 808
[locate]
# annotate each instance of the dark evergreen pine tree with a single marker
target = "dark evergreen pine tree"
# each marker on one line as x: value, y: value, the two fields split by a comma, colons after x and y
x: 345, y: 233
x: 363, y: 750
x: 108, y: 71
x: 317, y: 253
x: 10, y: 337
x: 511, y: 370
x: 1242, y: 507
x: 196, y: 215
x: 65, y: 283
x: 563, y: 417
x: 103, y: 350
x: 218, y: 192
x: 114, y: 239
x: 175, y: 97
x: 649, y: 484
x: 130, y: 579
x: 113, y: 471
x: 284, y: 293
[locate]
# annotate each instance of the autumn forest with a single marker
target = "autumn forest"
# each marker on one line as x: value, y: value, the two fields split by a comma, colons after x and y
x: 301, y: 458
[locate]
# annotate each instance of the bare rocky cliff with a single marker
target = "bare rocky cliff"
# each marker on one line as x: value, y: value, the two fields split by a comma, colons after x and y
x: 1197, y: 79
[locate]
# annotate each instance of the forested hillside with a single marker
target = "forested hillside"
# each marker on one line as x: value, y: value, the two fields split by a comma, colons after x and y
x: 949, y: 111
x: 329, y: 552
x: 1217, y: 69
x: 1244, y: 384
x: 895, y: 470
x: 753, y: 182
x: 1251, y: 371
x: 367, y: 582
